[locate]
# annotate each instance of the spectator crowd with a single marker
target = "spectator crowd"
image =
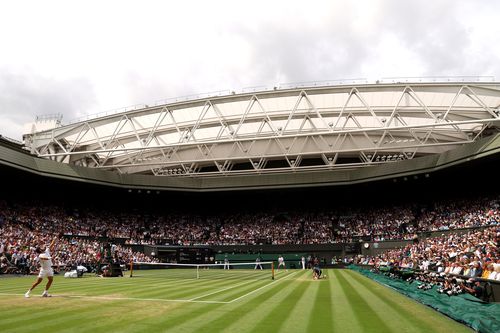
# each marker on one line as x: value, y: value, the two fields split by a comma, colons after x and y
x: 455, y: 263
x: 473, y: 254
x: 24, y: 226
x: 22, y: 231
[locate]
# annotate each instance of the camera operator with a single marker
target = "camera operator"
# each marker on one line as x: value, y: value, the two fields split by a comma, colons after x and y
x: 475, y: 290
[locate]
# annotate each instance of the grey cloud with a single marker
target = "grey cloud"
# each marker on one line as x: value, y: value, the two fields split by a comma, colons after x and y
x: 439, y: 35
x: 435, y: 34
x: 294, y: 49
x: 286, y: 47
x: 297, y: 51
x: 26, y: 94
x: 143, y: 89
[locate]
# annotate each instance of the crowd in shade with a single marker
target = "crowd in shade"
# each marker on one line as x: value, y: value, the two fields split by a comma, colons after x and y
x: 25, y: 226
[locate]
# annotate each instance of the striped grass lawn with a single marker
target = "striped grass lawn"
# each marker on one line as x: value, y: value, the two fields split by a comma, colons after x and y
x: 236, y: 301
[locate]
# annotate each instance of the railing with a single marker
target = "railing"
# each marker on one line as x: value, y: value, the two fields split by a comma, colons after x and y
x: 309, y: 84
x: 49, y: 117
x: 437, y: 79
x: 186, y: 98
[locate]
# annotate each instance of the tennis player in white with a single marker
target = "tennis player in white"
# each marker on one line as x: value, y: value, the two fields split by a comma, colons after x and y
x: 257, y: 263
x: 45, y: 270
x: 281, y: 262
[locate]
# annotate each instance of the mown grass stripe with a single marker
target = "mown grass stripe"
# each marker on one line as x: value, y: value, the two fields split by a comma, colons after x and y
x: 18, y: 283
x: 257, y: 312
x: 13, y: 311
x: 104, y: 316
x: 202, y: 286
x: 322, y: 310
x: 43, y: 316
x: 186, y: 313
x: 210, y: 290
x: 399, y: 321
x: 137, y: 289
x: 261, y: 309
x: 343, y: 316
x: 61, y: 319
x: 275, y: 319
x: 297, y: 320
x: 237, y: 294
x: 99, y: 282
x: 247, y: 307
x: 260, y: 288
x: 237, y: 274
x: 369, y: 319
x: 5, y: 319
x: 123, y: 318
x: 108, y: 290
x: 193, y: 290
x: 292, y: 303
x: 404, y: 317
x: 227, y: 289
x: 409, y: 313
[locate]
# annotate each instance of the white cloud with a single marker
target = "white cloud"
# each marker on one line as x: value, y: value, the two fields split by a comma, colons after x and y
x: 116, y: 53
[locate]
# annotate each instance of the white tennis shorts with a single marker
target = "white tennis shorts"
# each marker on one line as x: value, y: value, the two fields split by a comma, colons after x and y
x: 45, y: 272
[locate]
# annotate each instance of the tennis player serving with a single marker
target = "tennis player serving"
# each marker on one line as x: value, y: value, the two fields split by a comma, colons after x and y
x: 45, y: 269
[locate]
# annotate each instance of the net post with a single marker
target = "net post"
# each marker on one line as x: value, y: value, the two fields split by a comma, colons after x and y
x: 131, y: 268
x: 272, y: 270
x: 197, y: 271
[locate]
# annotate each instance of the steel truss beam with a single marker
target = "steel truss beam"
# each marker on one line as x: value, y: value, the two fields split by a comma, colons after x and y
x: 280, y: 131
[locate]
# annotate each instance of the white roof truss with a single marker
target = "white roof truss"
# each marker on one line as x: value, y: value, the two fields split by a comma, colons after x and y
x: 331, y: 127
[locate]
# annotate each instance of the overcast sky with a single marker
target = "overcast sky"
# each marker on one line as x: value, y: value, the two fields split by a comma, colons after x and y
x: 58, y: 57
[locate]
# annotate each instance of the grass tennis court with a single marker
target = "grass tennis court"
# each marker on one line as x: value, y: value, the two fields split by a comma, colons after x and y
x: 343, y: 302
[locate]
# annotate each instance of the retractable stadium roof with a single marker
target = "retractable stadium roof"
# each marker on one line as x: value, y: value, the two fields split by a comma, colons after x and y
x: 281, y: 130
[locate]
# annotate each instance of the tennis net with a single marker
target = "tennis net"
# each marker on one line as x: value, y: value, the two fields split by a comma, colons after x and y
x: 246, y: 270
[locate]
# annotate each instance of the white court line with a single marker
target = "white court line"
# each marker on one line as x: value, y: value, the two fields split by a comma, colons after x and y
x: 221, y: 290
x: 106, y: 298
x: 267, y: 285
x: 192, y: 300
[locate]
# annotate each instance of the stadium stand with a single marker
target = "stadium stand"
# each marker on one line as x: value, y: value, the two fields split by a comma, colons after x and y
x: 27, y: 225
